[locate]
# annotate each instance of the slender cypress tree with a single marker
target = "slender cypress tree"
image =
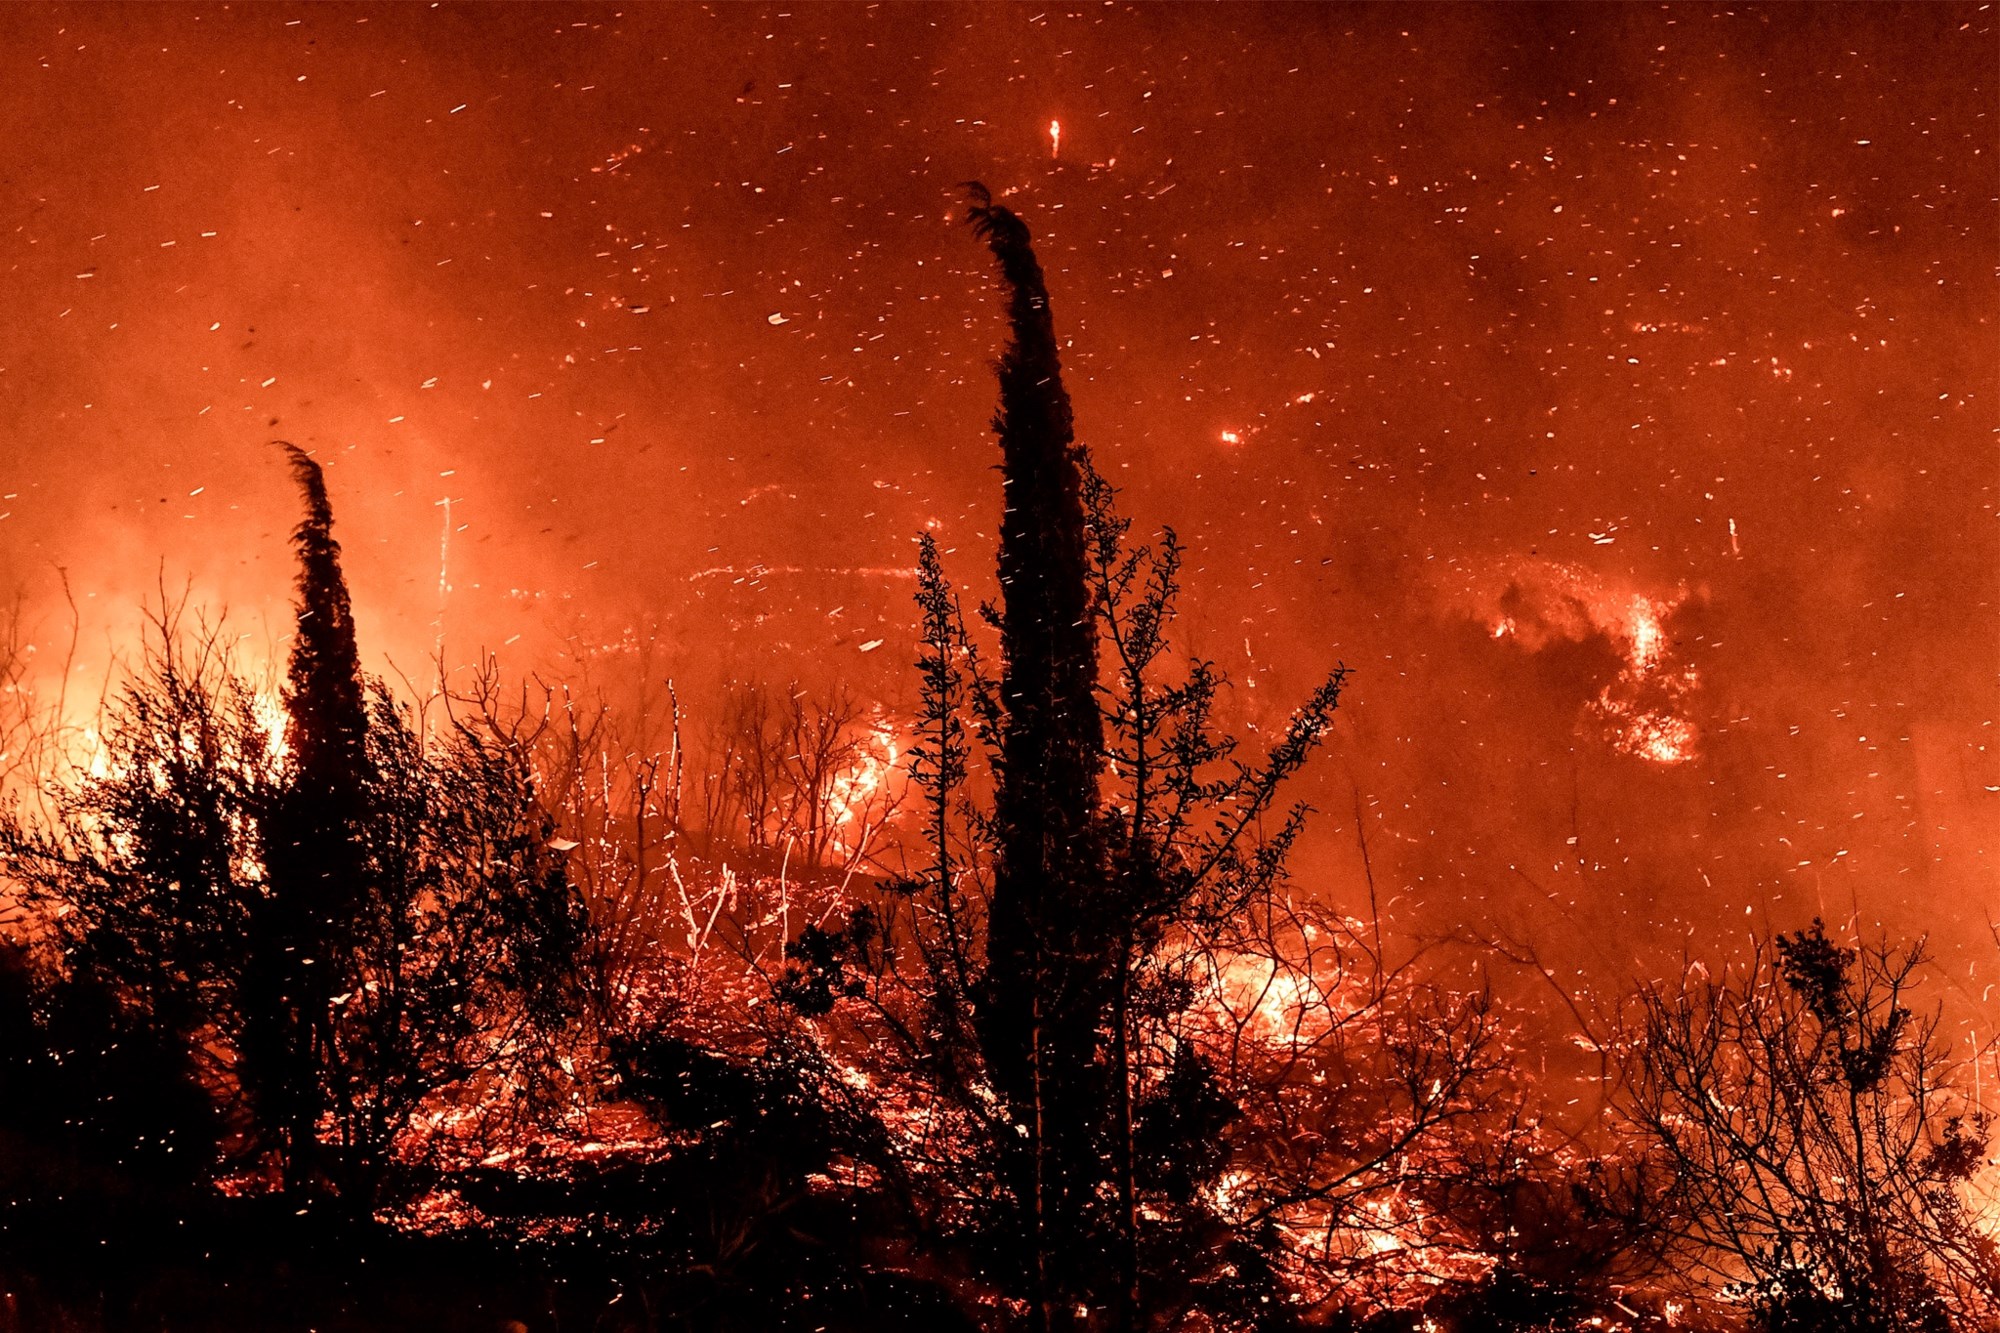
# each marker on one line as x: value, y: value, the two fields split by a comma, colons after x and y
x: 313, y: 855
x: 324, y: 700
x: 1047, y: 974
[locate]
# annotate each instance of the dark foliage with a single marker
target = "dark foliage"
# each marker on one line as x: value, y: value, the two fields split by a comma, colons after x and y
x: 1047, y: 970
x: 312, y: 854
x: 1794, y: 1301
x: 146, y: 867
x: 331, y: 927
x: 1102, y: 921
x: 1818, y: 1144
x: 754, y: 1116
x: 733, y: 1229
x: 84, y: 1076
x: 1180, y: 1137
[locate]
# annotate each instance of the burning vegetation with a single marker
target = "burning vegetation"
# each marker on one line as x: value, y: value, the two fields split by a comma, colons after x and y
x: 494, y: 1004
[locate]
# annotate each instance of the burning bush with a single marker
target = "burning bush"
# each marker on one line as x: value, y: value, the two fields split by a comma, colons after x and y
x: 334, y: 918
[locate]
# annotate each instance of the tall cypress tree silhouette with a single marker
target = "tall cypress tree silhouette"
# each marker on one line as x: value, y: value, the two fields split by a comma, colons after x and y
x: 313, y: 857
x: 1047, y: 968
x: 323, y: 695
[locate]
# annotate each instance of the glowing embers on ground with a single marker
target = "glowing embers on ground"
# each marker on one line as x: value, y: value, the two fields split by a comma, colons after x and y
x: 1643, y: 709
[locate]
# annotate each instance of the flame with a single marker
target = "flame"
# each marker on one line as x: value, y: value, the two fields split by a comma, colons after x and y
x: 94, y: 755
x: 1642, y: 709
x: 1656, y: 736
x: 1055, y: 138
x: 85, y: 751
x: 1643, y: 633
x: 852, y: 802
x: 1269, y: 1001
x: 269, y: 711
x: 1230, y: 1189
x: 1655, y: 733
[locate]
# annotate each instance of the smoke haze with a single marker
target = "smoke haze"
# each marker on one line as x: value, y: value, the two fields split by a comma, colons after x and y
x: 1612, y: 387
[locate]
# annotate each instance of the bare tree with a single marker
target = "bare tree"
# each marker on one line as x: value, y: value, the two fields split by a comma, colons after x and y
x: 32, y: 715
x: 797, y: 779
x: 615, y: 800
x: 1819, y: 1144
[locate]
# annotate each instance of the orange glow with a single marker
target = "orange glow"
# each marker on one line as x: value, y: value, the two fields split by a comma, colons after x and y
x: 631, y: 343
x: 1269, y: 1000
x: 1644, y: 710
x: 1622, y: 421
x: 861, y: 799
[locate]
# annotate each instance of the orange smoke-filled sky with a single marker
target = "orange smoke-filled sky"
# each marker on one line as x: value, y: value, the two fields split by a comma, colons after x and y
x: 1612, y: 387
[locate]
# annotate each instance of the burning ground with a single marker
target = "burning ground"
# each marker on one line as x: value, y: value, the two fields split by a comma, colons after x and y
x: 1610, y: 390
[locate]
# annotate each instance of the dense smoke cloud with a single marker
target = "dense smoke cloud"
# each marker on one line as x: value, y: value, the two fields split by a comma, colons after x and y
x: 1447, y: 337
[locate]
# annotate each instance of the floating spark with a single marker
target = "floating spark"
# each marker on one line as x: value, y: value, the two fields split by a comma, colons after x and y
x: 444, y: 576
x: 1055, y: 138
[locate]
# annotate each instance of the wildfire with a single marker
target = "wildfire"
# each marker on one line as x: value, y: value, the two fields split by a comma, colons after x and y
x: 1656, y: 733
x: 1268, y: 1000
x: 1641, y: 710
x: 856, y: 803
x: 1643, y: 632
x: 85, y: 751
x: 93, y: 755
x: 269, y: 710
